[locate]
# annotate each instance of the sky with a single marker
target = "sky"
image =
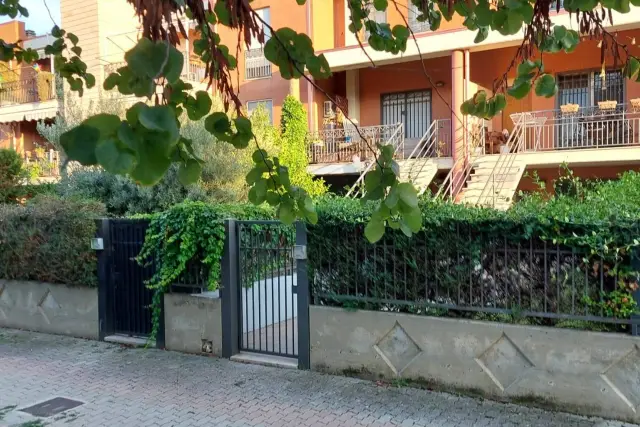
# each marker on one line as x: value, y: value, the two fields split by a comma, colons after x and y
x: 38, y: 20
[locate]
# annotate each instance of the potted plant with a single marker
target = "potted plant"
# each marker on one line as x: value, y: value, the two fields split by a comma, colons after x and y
x: 569, y: 108
x: 607, y: 105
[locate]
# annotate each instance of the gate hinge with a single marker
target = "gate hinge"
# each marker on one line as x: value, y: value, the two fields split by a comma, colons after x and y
x: 300, y: 252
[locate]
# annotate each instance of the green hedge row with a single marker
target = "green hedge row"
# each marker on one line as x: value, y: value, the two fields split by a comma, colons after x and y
x: 48, y: 240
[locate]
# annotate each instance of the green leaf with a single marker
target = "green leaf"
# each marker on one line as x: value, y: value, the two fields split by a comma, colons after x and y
x: 546, y: 86
x: 484, y: 14
x: 80, y: 143
x: 218, y: 125
x: 374, y: 231
x: 115, y: 157
x: 189, y: 172
x: 77, y: 50
x: 90, y: 80
x: 413, y: 220
x: 152, y: 163
x: 372, y: 179
x: 57, y: 32
x: 175, y: 63
x: 73, y: 38
x: 520, y: 90
x: 500, y: 102
x: 527, y: 67
x: 301, y: 2
x: 483, y: 33
x: 408, y: 194
x: 380, y: 5
x: 222, y: 12
x: 392, y: 198
x: 633, y: 67
x: 160, y: 118
x: 286, y: 213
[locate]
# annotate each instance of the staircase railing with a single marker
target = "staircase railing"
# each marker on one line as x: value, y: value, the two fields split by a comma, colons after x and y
x: 462, y: 167
x: 427, y: 147
x: 396, y: 140
x: 503, y: 165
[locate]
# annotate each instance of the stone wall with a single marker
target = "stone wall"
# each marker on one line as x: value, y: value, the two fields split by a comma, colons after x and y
x: 50, y: 308
x: 584, y: 372
x: 193, y: 323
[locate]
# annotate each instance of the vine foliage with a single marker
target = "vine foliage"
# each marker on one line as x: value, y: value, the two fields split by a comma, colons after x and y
x: 190, y: 235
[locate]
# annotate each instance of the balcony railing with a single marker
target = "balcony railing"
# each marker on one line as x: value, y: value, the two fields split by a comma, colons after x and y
x: 346, y: 145
x: 589, y: 127
x: 43, y: 163
x: 256, y: 65
x: 192, y: 72
x: 37, y: 89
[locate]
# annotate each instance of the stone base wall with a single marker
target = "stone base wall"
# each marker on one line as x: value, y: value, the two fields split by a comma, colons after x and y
x: 193, y: 323
x: 577, y: 371
x: 50, y: 308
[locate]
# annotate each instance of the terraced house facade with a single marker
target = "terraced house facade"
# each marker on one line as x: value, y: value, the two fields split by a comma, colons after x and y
x: 410, y: 100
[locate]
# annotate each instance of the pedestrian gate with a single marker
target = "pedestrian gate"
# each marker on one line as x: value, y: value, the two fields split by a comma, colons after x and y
x: 125, y: 300
x: 267, y: 277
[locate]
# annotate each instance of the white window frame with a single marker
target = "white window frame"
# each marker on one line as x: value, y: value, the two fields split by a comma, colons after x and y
x: 412, y: 18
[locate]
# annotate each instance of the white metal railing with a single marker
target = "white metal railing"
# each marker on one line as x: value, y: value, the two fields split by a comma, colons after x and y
x: 436, y: 142
x: 396, y: 140
x: 45, y: 163
x: 343, y: 145
x: 465, y: 157
x: 256, y: 65
x: 589, y: 127
x: 502, y: 168
x: 193, y: 72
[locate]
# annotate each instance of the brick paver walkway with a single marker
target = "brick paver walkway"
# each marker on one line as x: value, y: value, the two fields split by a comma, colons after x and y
x: 126, y: 387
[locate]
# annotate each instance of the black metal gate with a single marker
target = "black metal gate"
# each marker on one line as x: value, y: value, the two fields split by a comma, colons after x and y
x: 413, y: 109
x: 269, y: 289
x: 124, y: 297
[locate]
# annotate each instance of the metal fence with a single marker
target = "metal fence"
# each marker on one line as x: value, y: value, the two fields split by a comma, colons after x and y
x: 256, y: 65
x: 589, y: 127
x: 479, y: 273
x: 26, y: 91
x: 348, y: 144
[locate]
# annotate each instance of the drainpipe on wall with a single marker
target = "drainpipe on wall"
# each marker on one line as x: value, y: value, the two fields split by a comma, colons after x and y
x: 310, y: 88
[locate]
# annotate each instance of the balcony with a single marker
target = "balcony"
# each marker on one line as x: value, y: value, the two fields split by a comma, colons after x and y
x: 192, y: 71
x: 580, y: 128
x: 256, y: 65
x: 40, y: 88
x: 42, y: 163
x: 348, y: 145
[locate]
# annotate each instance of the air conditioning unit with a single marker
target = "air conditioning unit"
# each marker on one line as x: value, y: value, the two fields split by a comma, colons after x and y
x: 328, y: 109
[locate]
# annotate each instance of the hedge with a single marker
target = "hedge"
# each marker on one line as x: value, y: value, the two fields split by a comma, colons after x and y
x: 568, y: 255
x: 48, y: 240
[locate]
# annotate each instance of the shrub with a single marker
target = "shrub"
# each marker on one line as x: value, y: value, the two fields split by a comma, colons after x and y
x: 11, y: 173
x: 48, y: 240
x: 293, y: 154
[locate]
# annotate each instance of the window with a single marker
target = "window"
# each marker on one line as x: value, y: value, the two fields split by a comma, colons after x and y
x: 267, y: 104
x: 256, y: 65
x: 587, y: 89
x: 415, y: 25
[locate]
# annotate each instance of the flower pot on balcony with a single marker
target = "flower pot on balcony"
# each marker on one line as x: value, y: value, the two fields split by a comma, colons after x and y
x: 607, y: 105
x: 569, y: 108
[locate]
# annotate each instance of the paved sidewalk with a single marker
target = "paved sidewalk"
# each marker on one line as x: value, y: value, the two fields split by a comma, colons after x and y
x: 125, y: 387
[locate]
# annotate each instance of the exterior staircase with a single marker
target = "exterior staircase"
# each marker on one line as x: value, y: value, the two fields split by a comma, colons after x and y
x: 420, y: 172
x: 489, y: 187
x: 487, y: 180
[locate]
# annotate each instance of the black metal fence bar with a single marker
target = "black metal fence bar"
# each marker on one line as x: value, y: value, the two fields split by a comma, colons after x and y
x: 479, y: 273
